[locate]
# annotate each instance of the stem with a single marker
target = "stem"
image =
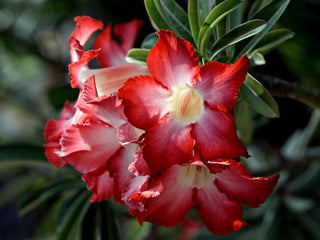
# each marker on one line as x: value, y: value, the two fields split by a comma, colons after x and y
x: 281, y: 88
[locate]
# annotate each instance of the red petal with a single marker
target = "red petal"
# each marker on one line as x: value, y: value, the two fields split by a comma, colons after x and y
x: 88, y: 147
x: 53, y: 132
x: 172, y: 61
x: 127, y: 33
x: 51, y: 155
x: 144, y: 100
x: 118, y: 167
x: 220, y: 82
x: 216, y: 136
x: 167, y: 143
x: 220, y: 214
x: 174, y: 201
x: 108, y: 109
x: 237, y: 183
x: 55, y: 128
x: 111, y: 52
x: 133, y: 187
x: 75, y: 68
x: 85, y: 27
x: 102, y: 186
x: 128, y: 134
x: 139, y: 167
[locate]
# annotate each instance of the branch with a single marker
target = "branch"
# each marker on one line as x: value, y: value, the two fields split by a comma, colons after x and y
x: 281, y: 88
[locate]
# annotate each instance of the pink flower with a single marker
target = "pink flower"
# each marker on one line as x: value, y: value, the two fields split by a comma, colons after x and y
x: 103, y: 146
x: 217, y: 190
x: 111, y: 55
x: 93, y: 135
x: 183, y: 107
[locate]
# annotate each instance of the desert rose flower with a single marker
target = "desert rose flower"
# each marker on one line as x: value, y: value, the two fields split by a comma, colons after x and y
x: 217, y: 189
x: 102, y: 147
x: 94, y: 126
x: 183, y: 107
x: 110, y: 54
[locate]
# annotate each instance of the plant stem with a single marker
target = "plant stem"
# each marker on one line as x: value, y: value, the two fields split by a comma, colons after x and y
x: 281, y: 88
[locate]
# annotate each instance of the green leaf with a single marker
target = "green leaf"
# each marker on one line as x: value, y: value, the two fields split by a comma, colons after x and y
x: 153, y: 12
x: 272, y: 39
x: 108, y: 221
x: 175, y: 18
x: 18, y: 151
x: 73, y: 217
x: 23, y: 155
x: 237, y: 34
x: 244, y: 121
x: 136, y: 231
x: 12, y: 189
x: 257, y: 60
x: 214, y: 17
x: 270, y: 13
x: 258, y: 97
x: 150, y: 41
x: 194, y: 18
x: 15, y: 155
x: 46, y: 228
x: 39, y: 196
x: 310, y: 224
x: 58, y: 95
x: 137, y: 55
x: 256, y: 6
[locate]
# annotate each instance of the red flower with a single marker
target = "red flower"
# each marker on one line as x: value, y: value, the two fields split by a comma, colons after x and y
x: 110, y: 54
x: 102, y: 146
x: 93, y: 135
x: 217, y: 190
x: 184, y: 107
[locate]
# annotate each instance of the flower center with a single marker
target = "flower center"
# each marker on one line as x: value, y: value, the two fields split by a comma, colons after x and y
x: 185, y: 104
x: 195, y: 176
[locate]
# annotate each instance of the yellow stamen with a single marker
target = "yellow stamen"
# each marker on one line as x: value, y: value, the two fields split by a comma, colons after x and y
x: 185, y: 104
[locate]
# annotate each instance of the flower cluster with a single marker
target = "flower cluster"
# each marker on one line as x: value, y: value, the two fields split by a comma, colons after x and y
x: 160, y: 139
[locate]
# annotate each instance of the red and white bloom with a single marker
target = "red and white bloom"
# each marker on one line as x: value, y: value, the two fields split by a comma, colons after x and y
x: 102, y: 147
x: 183, y: 107
x: 216, y: 189
x: 111, y: 55
x: 93, y: 135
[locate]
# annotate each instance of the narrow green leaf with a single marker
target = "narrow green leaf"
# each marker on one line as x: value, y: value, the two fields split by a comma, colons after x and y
x: 259, y: 98
x: 108, y: 220
x: 89, y: 225
x: 156, y: 18
x: 74, y: 216
x: 175, y: 17
x: 206, y: 6
x: 272, y: 39
x: 243, y: 121
x: 150, y: 41
x: 19, y: 185
x: 310, y: 224
x: 37, y: 197
x: 218, y: 13
x: 137, y: 55
x: 270, y: 13
x: 194, y: 18
x: 18, y: 151
x: 47, y: 225
x: 256, y: 6
x: 257, y: 60
x: 237, y: 34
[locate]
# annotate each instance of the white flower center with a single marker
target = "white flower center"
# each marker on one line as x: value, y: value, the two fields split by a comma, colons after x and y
x: 195, y: 176
x: 185, y: 104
